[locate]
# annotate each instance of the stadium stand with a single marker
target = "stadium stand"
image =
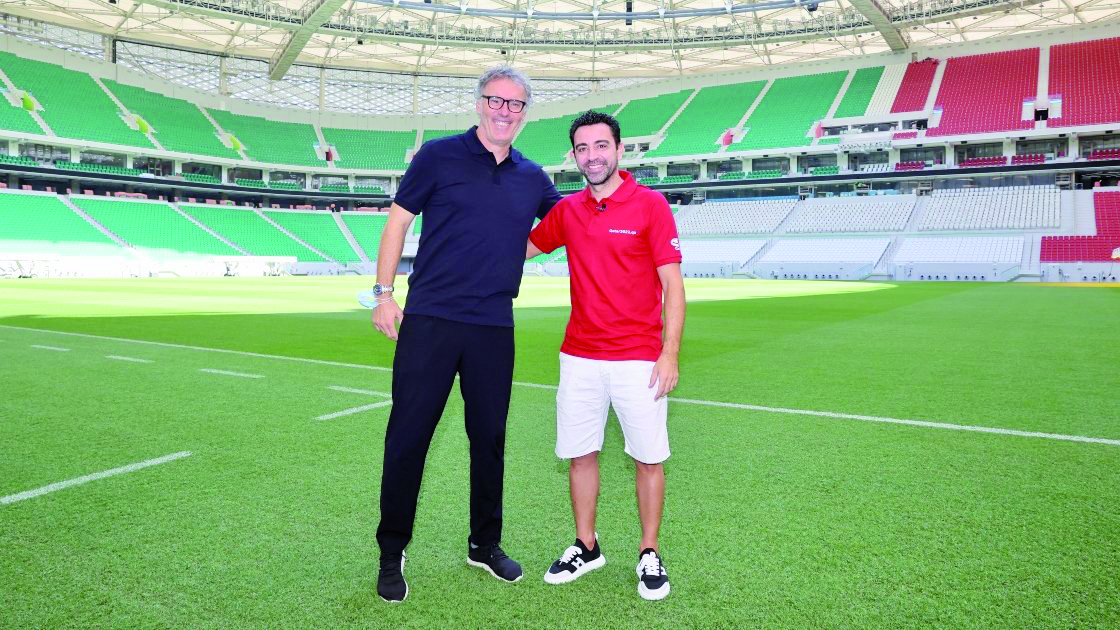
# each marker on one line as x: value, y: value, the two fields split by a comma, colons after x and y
x: 732, y: 176
x: 432, y: 134
x: 265, y: 140
x: 827, y: 250
x: 882, y: 167
x: 370, y: 190
x: 985, y: 93
x: 975, y: 249
x: 1104, y: 154
x: 1031, y: 158
x: 826, y: 170
x: 249, y: 231
x: 788, y: 111
x: 201, y: 178
x: 283, y: 185
x: 177, y: 125
x: 985, y: 161
x: 97, y: 168
x: 737, y: 216
x: 1098, y: 248
x: 698, y: 127
x: 914, y: 91
x: 17, y: 159
x: 646, y: 116
x: 250, y: 183
x: 546, y: 142
x: 374, y: 150
x: 853, y: 214
x: 366, y: 229
x: 16, y: 118
x: 1010, y: 207
x: 737, y: 251
x: 829, y: 140
x: 569, y: 186
x: 1083, y: 75
x: 340, y: 188
x: 152, y: 225
x: 909, y: 166
x: 319, y: 230
x: 858, y: 96
x: 31, y: 222
x: 677, y: 179
x: 904, y: 135
x: 73, y: 104
x: 765, y: 174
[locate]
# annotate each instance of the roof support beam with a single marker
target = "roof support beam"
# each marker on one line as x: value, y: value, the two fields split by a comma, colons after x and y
x: 878, y: 17
x: 320, y: 13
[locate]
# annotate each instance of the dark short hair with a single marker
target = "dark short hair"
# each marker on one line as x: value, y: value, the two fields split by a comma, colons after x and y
x: 592, y: 117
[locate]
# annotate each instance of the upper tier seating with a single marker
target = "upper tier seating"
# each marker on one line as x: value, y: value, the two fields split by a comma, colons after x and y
x: 152, y: 225
x: 249, y: 231
x: 737, y: 216
x: 74, y: 105
x: 1011, y: 207
x: 1031, y: 158
x: 177, y: 125
x: 646, y: 116
x: 975, y: 249
x: 859, y: 92
x: 854, y: 214
x: 711, y: 112
x: 916, y: 165
x: 788, y: 111
x: 914, y: 91
x: 985, y: 93
x: 373, y: 150
x: 36, y: 222
x: 1084, y: 75
x: 16, y: 118
x: 265, y: 140
x: 318, y: 230
x: 432, y: 134
x: 827, y: 250
x: 720, y: 250
x: 1097, y: 248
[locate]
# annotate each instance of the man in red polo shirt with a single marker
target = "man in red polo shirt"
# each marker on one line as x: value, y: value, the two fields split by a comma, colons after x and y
x: 624, y: 255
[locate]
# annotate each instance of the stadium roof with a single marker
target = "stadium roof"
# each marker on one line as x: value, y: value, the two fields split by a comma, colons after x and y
x: 555, y: 38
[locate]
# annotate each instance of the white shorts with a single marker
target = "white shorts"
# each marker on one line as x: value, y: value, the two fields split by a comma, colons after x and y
x: 588, y: 387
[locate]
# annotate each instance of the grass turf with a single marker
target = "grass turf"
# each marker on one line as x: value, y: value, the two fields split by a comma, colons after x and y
x: 771, y: 520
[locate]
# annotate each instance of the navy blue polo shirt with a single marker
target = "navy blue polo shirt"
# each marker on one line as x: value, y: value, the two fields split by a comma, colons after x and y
x: 477, y: 217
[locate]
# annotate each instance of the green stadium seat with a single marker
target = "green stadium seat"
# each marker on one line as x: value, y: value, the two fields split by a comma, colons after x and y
x: 372, y: 150
x: 177, y: 125
x: 271, y: 141
x: 153, y: 226
x: 711, y: 112
x: 319, y: 230
x: 249, y: 231
x: 859, y: 93
x: 44, y: 224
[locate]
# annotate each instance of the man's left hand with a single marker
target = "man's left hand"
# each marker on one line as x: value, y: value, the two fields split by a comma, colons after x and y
x: 664, y: 375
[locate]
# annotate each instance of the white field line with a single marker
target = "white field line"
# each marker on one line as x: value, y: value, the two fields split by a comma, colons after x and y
x: 351, y: 390
x: 686, y: 401
x: 228, y: 373
x: 117, y: 357
x: 31, y: 494
x: 55, y: 348
x: 354, y: 410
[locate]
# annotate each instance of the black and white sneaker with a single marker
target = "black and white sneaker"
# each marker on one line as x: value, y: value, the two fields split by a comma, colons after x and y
x: 494, y: 560
x: 653, y: 580
x: 391, y: 586
x: 574, y: 562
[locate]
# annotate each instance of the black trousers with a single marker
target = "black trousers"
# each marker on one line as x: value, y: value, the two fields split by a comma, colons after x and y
x: 430, y: 352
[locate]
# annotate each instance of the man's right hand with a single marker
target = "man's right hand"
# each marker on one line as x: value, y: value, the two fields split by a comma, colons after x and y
x: 386, y: 317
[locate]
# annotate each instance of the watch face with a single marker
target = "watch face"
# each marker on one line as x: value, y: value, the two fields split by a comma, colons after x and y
x: 377, y: 290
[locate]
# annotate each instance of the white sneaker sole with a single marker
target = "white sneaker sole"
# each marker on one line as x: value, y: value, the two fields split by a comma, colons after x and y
x: 564, y: 578
x: 652, y: 595
x: 483, y: 565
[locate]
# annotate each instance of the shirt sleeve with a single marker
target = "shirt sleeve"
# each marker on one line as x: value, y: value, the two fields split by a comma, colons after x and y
x: 549, y: 233
x: 662, y: 233
x: 550, y: 197
x: 419, y: 181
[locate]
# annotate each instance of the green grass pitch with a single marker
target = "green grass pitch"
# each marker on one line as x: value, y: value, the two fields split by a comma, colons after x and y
x: 773, y: 519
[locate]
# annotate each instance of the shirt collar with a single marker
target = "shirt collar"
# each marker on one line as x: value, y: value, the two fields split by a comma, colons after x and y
x: 476, y: 146
x: 626, y: 190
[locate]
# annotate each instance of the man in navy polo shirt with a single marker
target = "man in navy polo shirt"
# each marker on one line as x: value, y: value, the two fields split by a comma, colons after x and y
x: 479, y: 197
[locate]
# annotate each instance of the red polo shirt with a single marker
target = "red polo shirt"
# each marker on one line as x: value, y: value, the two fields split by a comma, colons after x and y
x: 614, y: 249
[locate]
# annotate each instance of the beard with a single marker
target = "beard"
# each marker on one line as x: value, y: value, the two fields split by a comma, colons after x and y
x: 604, y: 176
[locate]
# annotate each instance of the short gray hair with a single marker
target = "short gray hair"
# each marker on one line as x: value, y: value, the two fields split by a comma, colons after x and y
x: 505, y: 71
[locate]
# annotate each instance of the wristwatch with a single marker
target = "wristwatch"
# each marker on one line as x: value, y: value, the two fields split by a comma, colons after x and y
x: 379, y: 289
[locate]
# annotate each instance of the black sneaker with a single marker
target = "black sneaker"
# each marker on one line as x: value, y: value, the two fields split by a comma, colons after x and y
x: 390, y: 579
x: 653, y: 580
x: 494, y: 560
x: 574, y: 562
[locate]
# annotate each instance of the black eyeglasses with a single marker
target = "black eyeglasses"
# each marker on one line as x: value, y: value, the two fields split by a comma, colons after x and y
x: 495, y: 102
